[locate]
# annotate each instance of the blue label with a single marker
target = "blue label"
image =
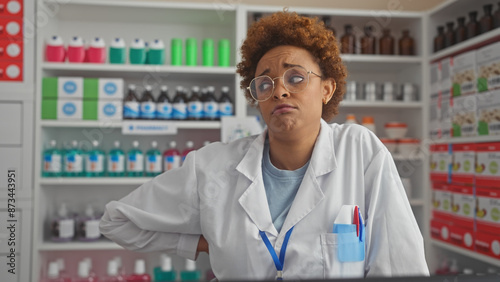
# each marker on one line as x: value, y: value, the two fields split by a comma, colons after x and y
x: 93, y: 158
x: 47, y: 158
x: 70, y: 158
x: 115, y: 158
x: 179, y: 111
x: 70, y: 87
x: 132, y: 158
x: 195, y: 110
x: 69, y: 109
x: 109, y: 110
x: 148, y: 110
x: 110, y: 88
x: 226, y: 109
x: 164, y: 110
x: 131, y: 110
x: 152, y: 158
x: 211, y: 109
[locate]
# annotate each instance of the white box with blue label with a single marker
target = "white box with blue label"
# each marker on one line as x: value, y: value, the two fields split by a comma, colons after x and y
x: 68, y: 109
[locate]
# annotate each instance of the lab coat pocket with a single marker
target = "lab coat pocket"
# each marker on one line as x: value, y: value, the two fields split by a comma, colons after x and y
x: 341, y: 255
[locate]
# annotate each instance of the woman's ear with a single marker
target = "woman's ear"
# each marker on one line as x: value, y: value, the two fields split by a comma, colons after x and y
x: 329, y: 87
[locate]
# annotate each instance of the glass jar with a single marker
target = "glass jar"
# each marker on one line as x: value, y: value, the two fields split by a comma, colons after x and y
x: 486, y: 22
x: 449, y: 36
x: 386, y: 43
x: 368, y: 41
x: 439, y: 39
x: 348, y: 41
x: 461, y: 30
x: 406, y: 44
x: 473, y: 25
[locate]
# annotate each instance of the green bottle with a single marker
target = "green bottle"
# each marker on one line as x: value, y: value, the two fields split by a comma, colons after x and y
x: 153, y: 160
x: 165, y: 271
x: 73, y: 161
x: 94, y: 161
x: 135, y: 161
x: 52, y: 161
x: 190, y: 273
x: 117, y: 52
x: 116, y: 161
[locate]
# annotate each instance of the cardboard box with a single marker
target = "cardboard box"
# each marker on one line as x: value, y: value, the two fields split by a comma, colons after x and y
x: 464, y: 74
x: 445, y: 112
x: 463, y: 164
x: 62, y: 87
x: 68, y: 109
x: 487, y: 165
x: 49, y: 108
x: 462, y: 206
x: 464, y: 121
x: 441, y: 201
x: 462, y: 237
x: 487, y: 244
x: 103, y: 89
x: 488, y: 67
x: 488, y: 113
x: 440, y: 230
x: 102, y: 110
x: 435, y: 120
x: 488, y: 210
x: 446, y: 67
x: 440, y: 162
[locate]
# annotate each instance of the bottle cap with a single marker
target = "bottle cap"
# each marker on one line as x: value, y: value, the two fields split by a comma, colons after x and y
x: 55, y: 41
x: 367, y: 119
x: 53, y: 270
x: 118, y: 43
x: 225, y: 89
x: 112, y: 268
x: 164, y: 88
x: 76, y: 41
x: 135, y: 144
x: 154, y: 144
x: 190, y: 265
x: 195, y: 89
x: 206, y: 143
x: 60, y: 264
x: 351, y: 117
x: 74, y: 143
x: 157, y: 44
x: 138, y: 44
x: 83, y: 269
x: 117, y: 144
x: 166, y: 263
x: 89, y: 211
x: 173, y: 144
x: 211, y: 89
x: 52, y: 143
x: 148, y: 88
x: 131, y: 86
x: 224, y: 43
x: 63, y: 211
x: 98, y: 42
x: 468, y: 271
x: 95, y: 143
x: 189, y: 144
x: 179, y: 89
x: 140, y: 267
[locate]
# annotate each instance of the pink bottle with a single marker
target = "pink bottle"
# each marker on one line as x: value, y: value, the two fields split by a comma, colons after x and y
x: 171, y: 157
x: 140, y: 274
x: 84, y: 274
x: 54, y: 50
x: 97, y: 51
x: 76, y: 50
x: 189, y: 148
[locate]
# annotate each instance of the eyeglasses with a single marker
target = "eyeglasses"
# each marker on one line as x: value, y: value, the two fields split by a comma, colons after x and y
x: 295, y: 80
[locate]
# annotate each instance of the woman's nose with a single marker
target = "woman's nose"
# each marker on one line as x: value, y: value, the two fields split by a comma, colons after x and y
x: 280, y: 91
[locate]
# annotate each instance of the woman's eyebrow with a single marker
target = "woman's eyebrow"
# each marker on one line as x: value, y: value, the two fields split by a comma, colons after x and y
x: 266, y: 71
x: 288, y: 65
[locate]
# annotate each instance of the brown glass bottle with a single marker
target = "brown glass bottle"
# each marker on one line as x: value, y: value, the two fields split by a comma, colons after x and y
x: 449, y: 35
x: 348, y: 41
x: 327, y: 20
x: 473, y: 25
x: 439, y: 39
x: 386, y: 43
x: 486, y: 22
x: 368, y: 41
x: 496, y: 17
x: 406, y: 44
x: 461, y: 30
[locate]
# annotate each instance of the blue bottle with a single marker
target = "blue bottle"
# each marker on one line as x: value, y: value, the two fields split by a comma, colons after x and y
x: 210, y: 105
x: 153, y: 160
x: 73, y: 161
x: 195, y: 105
x: 179, y: 105
x: 225, y: 103
x: 135, y: 161
x: 116, y: 161
x: 163, y: 104
x: 52, y: 161
x: 94, y: 161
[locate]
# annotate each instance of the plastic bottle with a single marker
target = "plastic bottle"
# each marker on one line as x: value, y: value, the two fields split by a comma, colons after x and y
x: 52, y: 161
x: 164, y: 272
x: 62, y: 270
x: 189, y: 148
x: 156, y: 53
x: 195, y: 106
x: 97, y: 51
x: 225, y: 103
x: 88, y: 226
x: 53, y: 273
x: 84, y: 272
x: 137, y: 51
x: 210, y: 105
x: 94, y: 161
x: 139, y: 274
x: 131, y: 106
x: 54, y: 49
x: 368, y: 123
x: 113, y: 274
x: 163, y: 104
x: 63, y: 226
x: 350, y: 119
x: 148, y: 105
x: 76, y: 50
x: 73, y: 161
x: 179, y: 105
x: 135, y: 161
x: 171, y: 157
x: 153, y: 160
x: 117, y: 52
x: 190, y: 273
x: 116, y: 161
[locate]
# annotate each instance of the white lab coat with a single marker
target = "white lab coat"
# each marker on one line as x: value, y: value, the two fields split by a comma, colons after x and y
x: 219, y: 192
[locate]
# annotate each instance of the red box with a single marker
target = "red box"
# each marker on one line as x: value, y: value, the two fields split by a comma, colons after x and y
x: 440, y: 230
x: 441, y: 201
x: 11, y: 50
x: 440, y: 162
x: 462, y: 237
x: 11, y: 8
x: 488, y: 164
x: 11, y: 28
x: 488, y: 210
x: 463, y: 206
x: 488, y: 244
x: 11, y: 71
x: 463, y: 163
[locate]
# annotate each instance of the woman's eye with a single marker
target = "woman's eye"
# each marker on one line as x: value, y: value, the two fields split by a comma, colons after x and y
x: 264, y: 86
x: 295, y: 79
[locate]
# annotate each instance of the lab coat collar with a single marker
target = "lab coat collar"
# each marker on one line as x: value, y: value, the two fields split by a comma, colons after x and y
x: 254, y: 200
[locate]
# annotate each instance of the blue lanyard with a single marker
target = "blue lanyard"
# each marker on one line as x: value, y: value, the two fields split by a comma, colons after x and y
x: 279, y: 263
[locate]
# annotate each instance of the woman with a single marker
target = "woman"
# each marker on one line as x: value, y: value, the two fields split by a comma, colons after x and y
x: 325, y: 199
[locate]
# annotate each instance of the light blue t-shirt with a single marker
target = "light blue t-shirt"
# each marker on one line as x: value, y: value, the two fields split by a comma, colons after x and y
x: 281, y: 187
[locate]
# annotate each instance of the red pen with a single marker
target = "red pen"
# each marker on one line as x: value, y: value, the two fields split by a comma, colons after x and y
x: 355, y: 220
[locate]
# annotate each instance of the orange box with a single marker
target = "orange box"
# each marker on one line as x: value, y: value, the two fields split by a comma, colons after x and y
x: 463, y: 163
x: 487, y: 244
x: 488, y: 164
x: 440, y: 157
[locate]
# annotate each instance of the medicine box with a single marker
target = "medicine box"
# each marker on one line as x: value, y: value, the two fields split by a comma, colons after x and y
x: 440, y: 230
x: 488, y: 67
x: 488, y: 165
x: 463, y: 164
x: 440, y: 162
x: 488, y: 112
x: 62, y: 87
x: 103, y: 110
x: 445, y: 115
x: 487, y: 244
x: 462, y: 237
x: 462, y: 206
x: 464, y: 122
x: 69, y: 109
x: 441, y: 201
x: 103, y: 88
x: 446, y: 67
x: 464, y: 74
x: 488, y: 210
x: 435, y: 120
x: 435, y: 80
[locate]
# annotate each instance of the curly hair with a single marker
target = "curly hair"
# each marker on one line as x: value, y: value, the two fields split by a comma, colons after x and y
x: 288, y: 28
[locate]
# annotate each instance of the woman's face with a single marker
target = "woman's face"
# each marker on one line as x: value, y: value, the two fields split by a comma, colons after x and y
x: 285, y: 111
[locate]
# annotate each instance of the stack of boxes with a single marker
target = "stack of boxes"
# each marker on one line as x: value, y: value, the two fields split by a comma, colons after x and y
x: 11, y: 40
x: 78, y: 98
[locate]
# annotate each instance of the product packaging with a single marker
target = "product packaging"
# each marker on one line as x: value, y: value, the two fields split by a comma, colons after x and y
x: 488, y: 67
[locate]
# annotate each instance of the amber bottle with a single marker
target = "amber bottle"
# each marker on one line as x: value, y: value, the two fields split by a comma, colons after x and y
x: 386, y: 43
x: 406, y: 44
x: 496, y: 17
x: 473, y: 25
x: 449, y: 35
x: 486, y: 22
x: 439, y: 39
x: 328, y: 24
x: 368, y: 41
x: 461, y: 30
x: 348, y: 41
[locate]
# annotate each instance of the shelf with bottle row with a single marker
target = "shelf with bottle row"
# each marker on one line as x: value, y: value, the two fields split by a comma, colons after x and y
x: 465, y: 252
x: 67, y: 181
x: 471, y: 139
x: 188, y: 124
x: 381, y: 104
x: 101, y: 244
x: 388, y: 63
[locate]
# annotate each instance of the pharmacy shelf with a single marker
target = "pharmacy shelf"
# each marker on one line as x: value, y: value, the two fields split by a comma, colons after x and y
x: 145, y: 4
x: 465, y: 252
x: 118, y: 124
x: 79, y: 246
x: 472, y: 139
x: 381, y: 104
x: 108, y: 181
x: 383, y: 59
x: 416, y: 202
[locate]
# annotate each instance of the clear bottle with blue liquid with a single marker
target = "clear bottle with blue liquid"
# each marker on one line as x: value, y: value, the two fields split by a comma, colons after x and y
x: 135, y: 161
x: 153, y: 160
x: 73, y: 161
x: 52, y: 161
x: 226, y: 107
x: 163, y: 104
x: 94, y: 161
x: 116, y: 161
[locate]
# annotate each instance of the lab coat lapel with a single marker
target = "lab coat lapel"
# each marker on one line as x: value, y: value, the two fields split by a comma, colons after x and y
x: 254, y: 199
x: 310, y: 193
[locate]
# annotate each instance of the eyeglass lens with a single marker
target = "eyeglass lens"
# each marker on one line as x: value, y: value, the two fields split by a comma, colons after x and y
x: 294, y: 79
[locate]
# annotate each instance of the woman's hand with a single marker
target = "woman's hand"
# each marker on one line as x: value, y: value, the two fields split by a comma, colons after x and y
x: 202, y: 246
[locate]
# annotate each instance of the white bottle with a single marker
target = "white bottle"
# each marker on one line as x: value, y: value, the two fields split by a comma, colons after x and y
x: 113, y: 274
x: 88, y: 226
x: 350, y: 119
x: 53, y: 273
x: 84, y: 272
x: 63, y: 226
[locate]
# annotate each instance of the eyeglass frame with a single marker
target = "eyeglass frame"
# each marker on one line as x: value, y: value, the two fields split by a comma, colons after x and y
x: 283, y: 81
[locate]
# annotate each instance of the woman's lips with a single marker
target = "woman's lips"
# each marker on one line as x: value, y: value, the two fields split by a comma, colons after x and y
x: 283, y: 108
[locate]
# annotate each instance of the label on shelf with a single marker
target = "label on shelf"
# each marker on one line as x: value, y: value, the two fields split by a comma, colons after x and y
x: 138, y: 127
